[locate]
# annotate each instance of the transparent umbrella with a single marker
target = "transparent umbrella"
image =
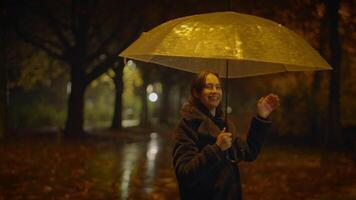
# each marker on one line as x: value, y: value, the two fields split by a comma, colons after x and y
x: 247, y: 45
x: 231, y: 44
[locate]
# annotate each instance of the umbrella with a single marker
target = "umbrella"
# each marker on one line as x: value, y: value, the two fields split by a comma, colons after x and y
x: 228, y: 43
x: 231, y: 44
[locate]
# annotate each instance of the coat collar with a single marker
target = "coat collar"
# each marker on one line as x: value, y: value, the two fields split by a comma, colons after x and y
x: 207, y: 126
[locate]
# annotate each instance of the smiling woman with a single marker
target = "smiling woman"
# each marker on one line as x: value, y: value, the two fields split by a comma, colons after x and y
x: 202, y: 139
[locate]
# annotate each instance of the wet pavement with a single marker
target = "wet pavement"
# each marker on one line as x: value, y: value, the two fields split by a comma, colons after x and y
x: 140, y: 169
x: 136, y: 164
x: 130, y: 165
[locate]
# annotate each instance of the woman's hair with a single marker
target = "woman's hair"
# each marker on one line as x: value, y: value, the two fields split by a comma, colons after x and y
x: 197, y: 87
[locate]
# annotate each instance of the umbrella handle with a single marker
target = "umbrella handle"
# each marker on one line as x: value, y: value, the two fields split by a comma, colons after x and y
x: 230, y: 153
x: 231, y: 156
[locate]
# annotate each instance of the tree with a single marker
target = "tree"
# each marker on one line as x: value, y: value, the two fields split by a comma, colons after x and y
x: 316, y: 116
x: 117, y: 117
x: 332, y: 13
x: 85, y: 35
x: 167, y: 83
x: 168, y: 78
x: 146, y: 77
x: 6, y: 40
x: 3, y: 89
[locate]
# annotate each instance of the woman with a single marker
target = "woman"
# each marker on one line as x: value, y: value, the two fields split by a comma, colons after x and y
x: 202, y: 140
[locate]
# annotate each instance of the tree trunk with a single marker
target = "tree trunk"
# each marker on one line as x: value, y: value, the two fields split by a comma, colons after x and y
x: 3, y: 86
x: 316, y: 116
x: 333, y: 138
x: 3, y: 100
x: 165, y: 106
x: 144, y: 121
x: 117, y: 118
x: 314, y: 111
x: 144, y: 115
x: 75, y: 118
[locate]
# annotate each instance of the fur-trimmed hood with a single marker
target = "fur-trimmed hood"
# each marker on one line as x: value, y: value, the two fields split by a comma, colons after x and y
x: 206, y: 124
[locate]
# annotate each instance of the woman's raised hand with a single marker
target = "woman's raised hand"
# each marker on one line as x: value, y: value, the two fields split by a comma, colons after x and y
x: 267, y: 104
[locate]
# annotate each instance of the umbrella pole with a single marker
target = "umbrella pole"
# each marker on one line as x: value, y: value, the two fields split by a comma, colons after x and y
x: 230, y: 153
x: 226, y: 88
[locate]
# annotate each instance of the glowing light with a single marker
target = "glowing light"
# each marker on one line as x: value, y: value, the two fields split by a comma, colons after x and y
x: 131, y: 65
x: 153, y: 97
x: 69, y: 87
x: 149, y: 88
x: 102, y: 57
x: 153, y: 135
x: 229, y: 109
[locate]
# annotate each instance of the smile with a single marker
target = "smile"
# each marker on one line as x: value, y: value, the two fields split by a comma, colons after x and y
x: 214, y: 98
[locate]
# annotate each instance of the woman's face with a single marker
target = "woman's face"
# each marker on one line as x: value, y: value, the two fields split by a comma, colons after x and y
x: 212, y: 93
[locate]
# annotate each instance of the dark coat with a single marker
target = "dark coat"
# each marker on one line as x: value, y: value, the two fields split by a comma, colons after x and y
x: 201, y: 168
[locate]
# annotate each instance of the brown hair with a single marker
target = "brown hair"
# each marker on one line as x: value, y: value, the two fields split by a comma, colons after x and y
x: 197, y: 87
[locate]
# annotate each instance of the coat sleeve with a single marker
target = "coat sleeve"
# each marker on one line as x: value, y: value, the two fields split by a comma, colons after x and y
x: 248, y: 150
x: 190, y: 163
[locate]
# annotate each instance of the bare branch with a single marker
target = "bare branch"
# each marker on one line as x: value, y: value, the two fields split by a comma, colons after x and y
x: 104, y: 44
x: 39, y: 44
x: 99, y: 25
x: 116, y: 33
x: 56, y: 25
x: 100, y: 69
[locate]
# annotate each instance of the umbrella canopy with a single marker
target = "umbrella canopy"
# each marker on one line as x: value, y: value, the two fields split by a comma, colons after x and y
x: 247, y: 44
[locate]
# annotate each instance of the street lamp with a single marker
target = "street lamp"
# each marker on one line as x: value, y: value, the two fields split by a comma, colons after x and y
x: 153, y: 97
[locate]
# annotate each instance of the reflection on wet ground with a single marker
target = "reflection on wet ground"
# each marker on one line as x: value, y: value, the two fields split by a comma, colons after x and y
x: 132, y: 165
x: 137, y: 164
x: 140, y: 169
